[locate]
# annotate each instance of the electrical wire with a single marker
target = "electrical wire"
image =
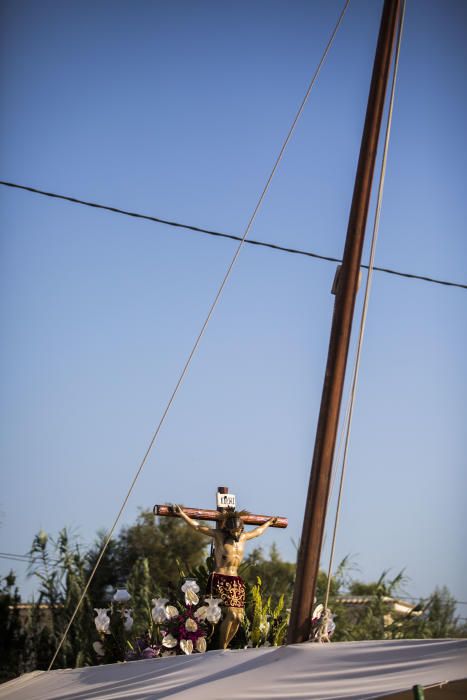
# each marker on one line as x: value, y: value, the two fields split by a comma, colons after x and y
x: 220, y: 234
x: 16, y: 557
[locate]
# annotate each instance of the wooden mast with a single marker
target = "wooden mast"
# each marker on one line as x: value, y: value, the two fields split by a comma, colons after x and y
x: 346, y: 290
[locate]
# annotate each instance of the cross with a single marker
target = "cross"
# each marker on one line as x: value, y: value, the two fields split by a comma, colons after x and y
x: 229, y: 539
x: 216, y: 515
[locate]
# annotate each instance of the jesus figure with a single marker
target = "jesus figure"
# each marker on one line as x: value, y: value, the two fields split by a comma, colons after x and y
x: 225, y: 583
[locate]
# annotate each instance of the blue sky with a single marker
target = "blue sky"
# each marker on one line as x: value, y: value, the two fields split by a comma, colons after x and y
x: 178, y: 110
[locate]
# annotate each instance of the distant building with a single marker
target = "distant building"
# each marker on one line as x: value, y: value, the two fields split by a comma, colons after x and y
x: 396, y: 608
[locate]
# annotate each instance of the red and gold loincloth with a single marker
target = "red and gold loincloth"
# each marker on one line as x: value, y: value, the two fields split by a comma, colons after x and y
x: 231, y: 589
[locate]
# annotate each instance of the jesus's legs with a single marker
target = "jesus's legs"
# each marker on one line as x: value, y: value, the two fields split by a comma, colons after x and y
x: 230, y: 624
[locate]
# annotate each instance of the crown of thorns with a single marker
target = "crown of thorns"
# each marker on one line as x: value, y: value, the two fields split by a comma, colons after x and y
x: 231, y: 514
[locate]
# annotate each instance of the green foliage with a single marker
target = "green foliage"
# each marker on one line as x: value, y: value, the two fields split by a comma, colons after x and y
x: 141, y: 589
x: 199, y: 573
x: 265, y: 623
x: 61, y: 570
x: 164, y: 545
x: 108, y: 573
x: 371, y: 617
x: 143, y: 554
x: 12, y: 632
x: 149, y: 558
x: 441, y: 620
x: 438, y: 618
x: 78, y: 645
x: 116, y: 644
x: 277, y: 576
x: 382, y: 587
x: 376, y: 617
x: 257, y: 616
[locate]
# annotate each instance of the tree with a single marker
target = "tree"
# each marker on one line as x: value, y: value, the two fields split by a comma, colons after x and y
x: 166, y: 545
x: 78, y: 645
x: 140, y: 587
x: 12, y: 633
x: 375, y: 617
x: 108, y: 572
x: 61, y: 573
x: 148, y: 558
x: 440, y: 616
x: 277, y: 576
x: 372, y: 618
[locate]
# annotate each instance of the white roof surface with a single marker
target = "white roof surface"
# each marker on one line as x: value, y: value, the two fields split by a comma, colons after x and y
x: 339, y: 670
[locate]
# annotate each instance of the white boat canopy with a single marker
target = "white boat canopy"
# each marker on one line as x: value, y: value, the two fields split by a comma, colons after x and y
x: 339, y: 670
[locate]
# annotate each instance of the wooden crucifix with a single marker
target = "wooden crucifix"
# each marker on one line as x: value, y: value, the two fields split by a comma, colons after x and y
x: 229, y: 540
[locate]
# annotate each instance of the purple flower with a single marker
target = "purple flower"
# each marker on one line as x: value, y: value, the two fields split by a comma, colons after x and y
x: 141, y: 644
x: 149, y: 653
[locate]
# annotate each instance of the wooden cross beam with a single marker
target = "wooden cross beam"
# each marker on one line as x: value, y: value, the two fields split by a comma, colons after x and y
x: 216, y: 515
x: 204, y: 514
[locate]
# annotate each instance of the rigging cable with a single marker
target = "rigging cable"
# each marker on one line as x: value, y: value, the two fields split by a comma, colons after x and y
x: 204, y: 326
x: 350, y: 407
x: 221, y: 234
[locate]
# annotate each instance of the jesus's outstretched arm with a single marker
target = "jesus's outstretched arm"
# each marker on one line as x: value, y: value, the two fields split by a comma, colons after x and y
x: 203, y: 529
x: 259, y: 530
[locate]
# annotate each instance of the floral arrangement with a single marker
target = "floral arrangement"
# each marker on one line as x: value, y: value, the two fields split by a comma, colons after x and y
x: 322, y: 624
x: 172, y: 629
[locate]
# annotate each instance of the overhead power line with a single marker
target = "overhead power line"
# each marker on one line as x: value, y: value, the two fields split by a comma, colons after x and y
x: 428, y: 598
x: 220, y: 234
x: 16, y: 557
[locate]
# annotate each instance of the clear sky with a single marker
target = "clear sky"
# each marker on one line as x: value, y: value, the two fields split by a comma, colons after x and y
x: 177, y: 109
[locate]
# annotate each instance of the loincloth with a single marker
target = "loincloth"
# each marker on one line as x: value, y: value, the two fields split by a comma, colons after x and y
x: 231, y: 589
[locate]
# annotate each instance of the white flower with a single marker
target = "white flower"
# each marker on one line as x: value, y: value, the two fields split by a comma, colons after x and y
x: 168, y: 653
x: 186, y: 645
x: 158, y: 612
x: 102, y: 620
x: 99, y: 648
x: 121, y: 595
x: 190, y: 589
x: 213, y: 613
x: 201, y: 645
x: 169, y: 641
x: 171, y: 611
x: 190, y: 625
x: 331, y: 624
x: 317, y: 612
x: 127, y: 620
x: 200, y: 614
